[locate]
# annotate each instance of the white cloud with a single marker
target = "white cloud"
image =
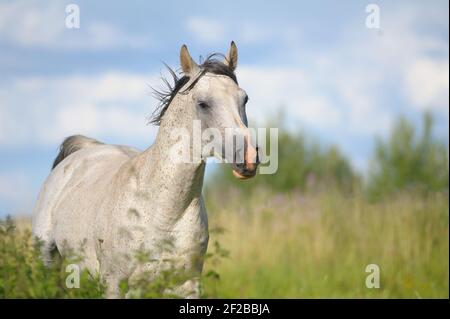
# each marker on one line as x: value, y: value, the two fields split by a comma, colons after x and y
x: 43, y: 110
x: 349, y: 86
x: 29, y: 23
x: 344, y: 102
x: 371, y: 70
x: 206, y: 30
x: 408, y: 56
x: 272, y: 88
x: 362, y: 109
x: 426, y: 84
x: 42, y: 24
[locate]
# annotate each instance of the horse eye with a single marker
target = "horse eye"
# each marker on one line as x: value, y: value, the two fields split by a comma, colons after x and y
x: 246, y: 99
x: 203, y: 105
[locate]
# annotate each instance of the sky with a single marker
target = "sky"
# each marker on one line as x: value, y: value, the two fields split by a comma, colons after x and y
x: 333, y: 76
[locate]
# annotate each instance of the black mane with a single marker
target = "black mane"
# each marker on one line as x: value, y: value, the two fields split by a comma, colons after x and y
x: 165, y: 96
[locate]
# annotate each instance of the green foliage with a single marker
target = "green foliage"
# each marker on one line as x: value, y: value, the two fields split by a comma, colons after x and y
x: 278, y: 246
x: 409, y: 161
x: 210, y: 279
x: 23, y: 274
x: 303, y: 164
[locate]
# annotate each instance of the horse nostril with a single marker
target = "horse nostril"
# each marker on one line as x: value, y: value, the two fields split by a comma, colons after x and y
x: 257, y: 155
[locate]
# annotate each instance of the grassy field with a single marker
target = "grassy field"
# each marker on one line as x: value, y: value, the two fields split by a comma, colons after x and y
x: 291, y: 246
x: 284, y: 246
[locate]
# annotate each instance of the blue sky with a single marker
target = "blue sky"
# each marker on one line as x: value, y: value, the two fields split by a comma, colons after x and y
x: 335, y: 78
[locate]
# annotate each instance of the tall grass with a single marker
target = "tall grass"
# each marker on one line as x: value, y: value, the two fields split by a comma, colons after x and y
x: 24, y: 275
x: 291, y: 246
x: 269, y: 245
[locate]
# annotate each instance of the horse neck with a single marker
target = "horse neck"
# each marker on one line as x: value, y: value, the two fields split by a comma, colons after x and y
x: 177, y: 183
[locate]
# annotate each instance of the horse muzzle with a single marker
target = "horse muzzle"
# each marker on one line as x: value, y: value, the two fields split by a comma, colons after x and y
x: 247, y: 169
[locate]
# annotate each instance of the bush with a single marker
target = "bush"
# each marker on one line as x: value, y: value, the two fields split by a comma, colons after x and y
x: 408, y: 161
x: 24, y: 275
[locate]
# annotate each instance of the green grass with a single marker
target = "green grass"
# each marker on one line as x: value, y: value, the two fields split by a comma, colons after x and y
x: 270, y: 245
x: 23, y: 275
x: 290, y: 246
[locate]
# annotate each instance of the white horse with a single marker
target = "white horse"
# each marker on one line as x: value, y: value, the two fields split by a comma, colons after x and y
x: 114, y: 200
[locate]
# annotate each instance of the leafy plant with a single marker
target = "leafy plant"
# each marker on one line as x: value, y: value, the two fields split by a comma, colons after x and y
x: 409, y: 161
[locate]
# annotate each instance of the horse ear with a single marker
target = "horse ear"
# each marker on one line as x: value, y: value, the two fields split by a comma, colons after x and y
x: 232, y: 56
x: 188, y: 65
